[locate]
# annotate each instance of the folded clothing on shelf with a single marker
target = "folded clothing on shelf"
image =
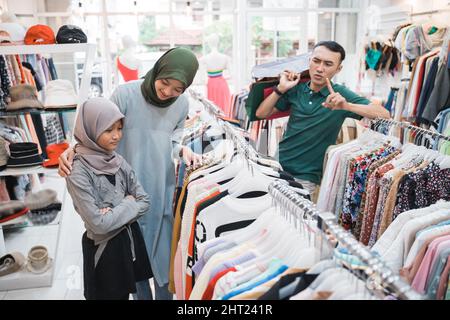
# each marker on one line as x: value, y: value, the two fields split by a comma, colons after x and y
x: 23, y: 154
x: 45, y: 215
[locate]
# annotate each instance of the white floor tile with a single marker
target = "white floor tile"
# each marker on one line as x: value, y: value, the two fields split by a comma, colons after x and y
x: 3, y: 294
x: 74, y: 294
x: 67, y: 264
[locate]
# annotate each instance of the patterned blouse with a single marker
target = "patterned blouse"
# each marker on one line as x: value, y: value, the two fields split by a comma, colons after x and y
x: 356, y: 183
x: 423, y: 188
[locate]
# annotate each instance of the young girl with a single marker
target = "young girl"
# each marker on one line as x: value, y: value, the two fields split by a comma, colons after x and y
x: 109, y: 199
x: 155, y: 108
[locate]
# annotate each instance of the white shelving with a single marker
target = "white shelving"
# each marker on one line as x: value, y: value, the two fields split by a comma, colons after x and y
x: 26, y: 170
x: 46, y: 48
x: 23, y: 238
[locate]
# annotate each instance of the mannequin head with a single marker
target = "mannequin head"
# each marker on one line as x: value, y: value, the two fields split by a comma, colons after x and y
x: 128, y: 42
x: 213, y: 41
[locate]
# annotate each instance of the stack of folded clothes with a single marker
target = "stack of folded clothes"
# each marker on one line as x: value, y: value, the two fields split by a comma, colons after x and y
x: 24, y: 154
x: 44, y: 206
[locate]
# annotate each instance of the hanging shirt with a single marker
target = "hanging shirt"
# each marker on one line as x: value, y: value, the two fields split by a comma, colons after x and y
x: 420, y: 280
x: 227, y: 215
x: 397, y: 253
x: 443, y: 282
x: 203, y: 259
x: 276, y: 268
x: 437, y: 269
x: 423, y: 188
x: 208, y: 294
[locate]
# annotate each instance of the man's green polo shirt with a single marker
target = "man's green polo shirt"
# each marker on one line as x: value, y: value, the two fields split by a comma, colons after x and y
x: 311, y: 128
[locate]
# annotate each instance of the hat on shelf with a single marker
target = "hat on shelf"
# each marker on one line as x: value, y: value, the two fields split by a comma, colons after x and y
x: 23, y: 96
x: 60, y: 94
x: 40, y: 199
x: 45, y: 215
x: 39, y: 34
x: 15, y: 31
x: 53, y: 153
x: 5, y: 38
x: 11, y: 262
x: 38, y: 260
x: 24, y: 154
x: 3, y: 154
x: 11, y: 210
x: 70, y: 34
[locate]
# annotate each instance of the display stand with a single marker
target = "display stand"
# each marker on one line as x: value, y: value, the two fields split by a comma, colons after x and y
x: 27, y: 234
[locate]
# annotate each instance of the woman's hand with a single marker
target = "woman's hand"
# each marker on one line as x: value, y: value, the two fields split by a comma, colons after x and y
x: 105, y: 210
x: 130, y: 197
x: 65, y: 162
x: 190, y: 158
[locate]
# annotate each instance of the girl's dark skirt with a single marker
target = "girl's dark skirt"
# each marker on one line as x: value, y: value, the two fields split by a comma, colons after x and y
x: 116, y: 274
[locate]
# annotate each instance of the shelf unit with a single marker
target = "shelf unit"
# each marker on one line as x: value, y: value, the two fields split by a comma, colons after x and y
x: 26, y: 170
x: 26, y: 235
x: 35, y: 111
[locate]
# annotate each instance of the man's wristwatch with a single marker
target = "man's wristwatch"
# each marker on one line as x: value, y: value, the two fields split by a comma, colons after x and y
x: 277, y: 91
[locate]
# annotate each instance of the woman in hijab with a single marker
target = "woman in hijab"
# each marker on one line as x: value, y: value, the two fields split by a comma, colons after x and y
x: 109, y: 199
x: 155, y: 109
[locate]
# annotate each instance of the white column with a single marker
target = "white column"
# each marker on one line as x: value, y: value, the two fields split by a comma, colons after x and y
x: 107, y: 61
x: 241, y: 45
x: 303, y: 44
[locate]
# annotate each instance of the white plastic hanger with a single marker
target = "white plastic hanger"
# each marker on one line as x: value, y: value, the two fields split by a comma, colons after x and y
x: 247, y: 181
x: 254, y: 229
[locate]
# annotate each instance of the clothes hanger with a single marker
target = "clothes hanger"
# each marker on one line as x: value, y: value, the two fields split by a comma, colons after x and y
x: 248, y: 181
x: 278, y: 234
x: 253, y: 230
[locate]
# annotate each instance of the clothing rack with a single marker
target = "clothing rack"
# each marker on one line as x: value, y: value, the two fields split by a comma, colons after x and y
x: 236, y: 134
x: 407, y: 125
x: 293, y: 202
x: 377, y: 269
x: 430, y: 12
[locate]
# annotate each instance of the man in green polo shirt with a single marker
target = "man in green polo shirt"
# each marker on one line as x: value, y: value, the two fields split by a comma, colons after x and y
x: 318, y: 109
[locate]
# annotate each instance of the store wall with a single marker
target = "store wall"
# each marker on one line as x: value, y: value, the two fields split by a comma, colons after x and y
x: 418, y: 6
x: 3, y: 5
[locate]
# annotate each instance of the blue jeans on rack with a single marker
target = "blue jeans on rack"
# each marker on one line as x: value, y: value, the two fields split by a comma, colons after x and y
x: 144, y: 292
